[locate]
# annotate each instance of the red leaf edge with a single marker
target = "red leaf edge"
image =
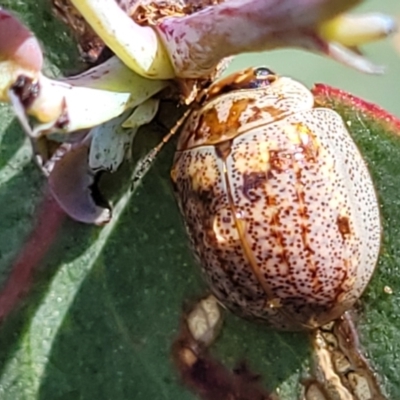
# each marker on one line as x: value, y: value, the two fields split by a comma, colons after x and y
x: 325, y: 94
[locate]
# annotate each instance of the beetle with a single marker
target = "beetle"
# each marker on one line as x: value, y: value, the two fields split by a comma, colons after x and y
x: 277, y: 200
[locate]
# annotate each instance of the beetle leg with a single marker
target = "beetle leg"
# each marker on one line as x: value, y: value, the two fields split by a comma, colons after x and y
x: 144, y: 164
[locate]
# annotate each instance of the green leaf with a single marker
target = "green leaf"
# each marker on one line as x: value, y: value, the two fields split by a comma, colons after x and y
x: 378, y: 136
x: 101, y: 307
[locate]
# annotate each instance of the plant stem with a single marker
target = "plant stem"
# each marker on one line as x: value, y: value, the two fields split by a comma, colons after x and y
x: 137, y: 46
x: 196, y: 43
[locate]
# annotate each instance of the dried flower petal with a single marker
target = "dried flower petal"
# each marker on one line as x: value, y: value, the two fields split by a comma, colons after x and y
x: 73, y: 185
x: 112, y: 141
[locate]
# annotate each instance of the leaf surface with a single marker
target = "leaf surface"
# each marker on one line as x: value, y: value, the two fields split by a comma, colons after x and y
x: 102, y: 306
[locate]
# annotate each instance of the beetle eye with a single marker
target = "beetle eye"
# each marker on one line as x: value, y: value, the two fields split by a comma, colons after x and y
x: 263, y: 77
x: 263, y: 72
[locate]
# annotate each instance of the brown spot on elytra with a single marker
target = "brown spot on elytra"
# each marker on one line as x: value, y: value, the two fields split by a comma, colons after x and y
x: 223, y: 149
x: 276, y: 229
x: 280, y: 160
x: 174, y: 174
x: 251, y: 182
x: 215, y: 130
x: 306, y: 151
x: 275, y: 112
x: 309, y: 145
x: 257, y: 113
x: 343, y: 224
x: 343, y: 273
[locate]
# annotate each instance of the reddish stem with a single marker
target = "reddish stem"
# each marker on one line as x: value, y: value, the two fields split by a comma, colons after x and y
x: 49, y: 219
x: 197, y: 42
x: 18, y: 43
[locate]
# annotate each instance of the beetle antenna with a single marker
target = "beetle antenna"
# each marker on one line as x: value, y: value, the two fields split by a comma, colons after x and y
x: 144, y: 164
